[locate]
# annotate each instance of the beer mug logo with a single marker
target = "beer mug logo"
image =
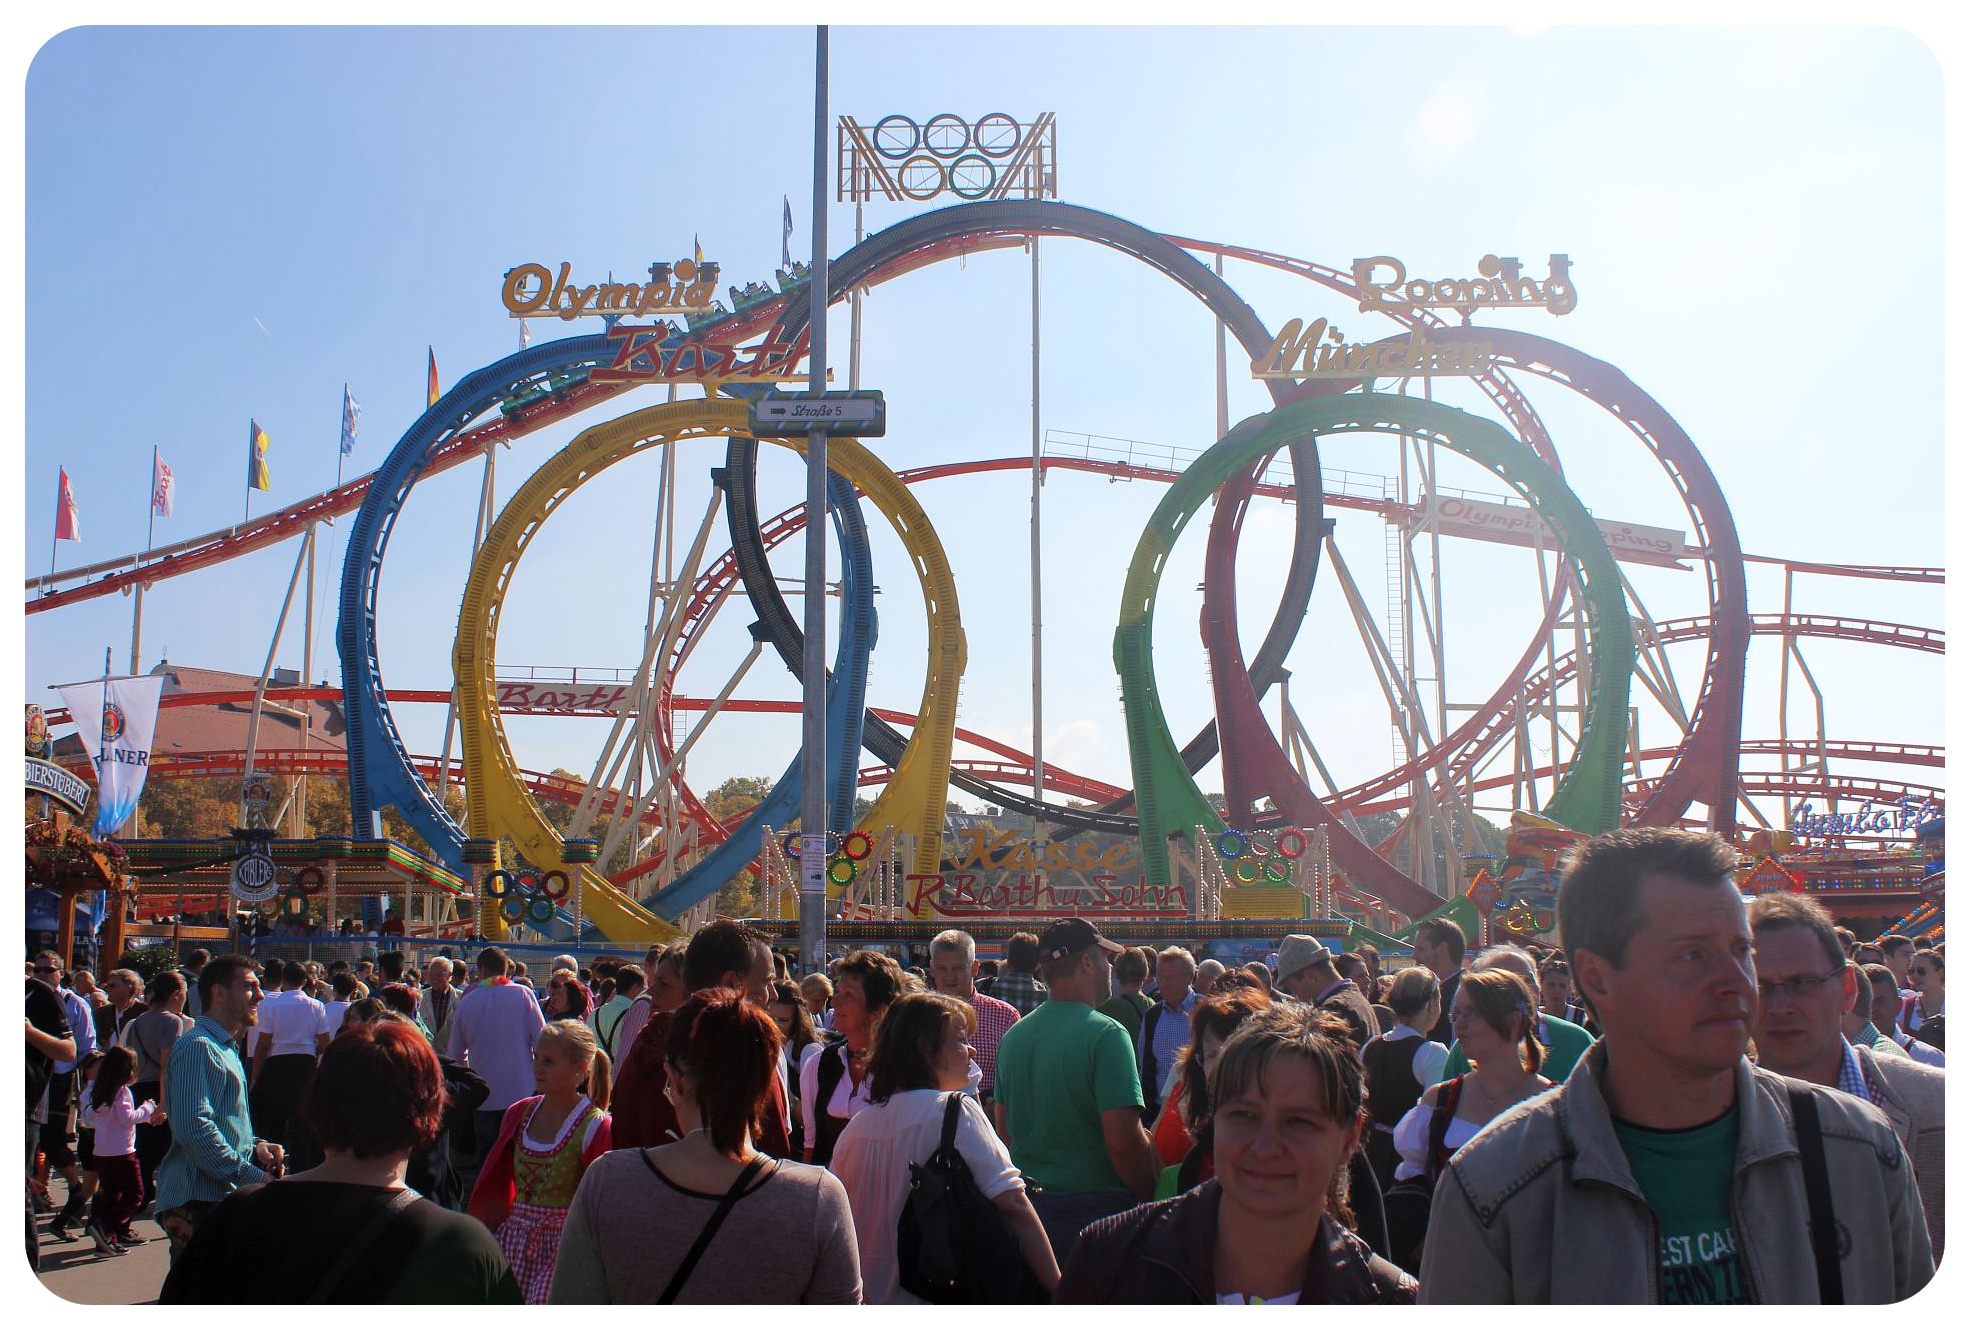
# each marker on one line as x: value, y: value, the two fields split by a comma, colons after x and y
x: 112, y: 722
x: 37, y: 732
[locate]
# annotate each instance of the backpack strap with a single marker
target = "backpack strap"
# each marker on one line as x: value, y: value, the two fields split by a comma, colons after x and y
x: 1819, y: 1195
x: 1447, y: 1096
x: 1146, y: 1062
x: 359, y: 1245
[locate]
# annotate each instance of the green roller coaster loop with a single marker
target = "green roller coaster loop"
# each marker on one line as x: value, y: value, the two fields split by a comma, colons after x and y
x: 1169, y: 802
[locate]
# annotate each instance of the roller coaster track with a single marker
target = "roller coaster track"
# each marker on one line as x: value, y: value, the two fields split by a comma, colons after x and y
x: 1708, y: 757
x: 1705, y: 770
x: 1587, y: 797
x: 1479, y: 736
x: 1789, y: 784
x: 1010, y: 220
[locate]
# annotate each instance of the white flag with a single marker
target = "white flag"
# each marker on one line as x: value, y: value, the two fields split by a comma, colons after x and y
x: 163, y: 489
x: 116, y: 729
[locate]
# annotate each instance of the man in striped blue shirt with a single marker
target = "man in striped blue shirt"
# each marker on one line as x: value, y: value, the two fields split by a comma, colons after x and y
x: 213, y: 1151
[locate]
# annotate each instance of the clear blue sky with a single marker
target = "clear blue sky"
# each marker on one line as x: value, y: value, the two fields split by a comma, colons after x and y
x: 224, y: 223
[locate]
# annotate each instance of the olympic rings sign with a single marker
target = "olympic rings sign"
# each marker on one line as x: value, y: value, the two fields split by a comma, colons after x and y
x: 946, y: 154
x: 845, y: 853
x: 1253, y: 857
x: 525, y: 898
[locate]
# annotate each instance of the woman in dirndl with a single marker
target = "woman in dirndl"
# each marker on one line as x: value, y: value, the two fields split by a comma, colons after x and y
x: 545, y: 1145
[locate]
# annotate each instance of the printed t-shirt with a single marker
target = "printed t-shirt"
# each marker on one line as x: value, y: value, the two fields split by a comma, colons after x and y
x: 1060, y: 1068
x: 1686, y: 1176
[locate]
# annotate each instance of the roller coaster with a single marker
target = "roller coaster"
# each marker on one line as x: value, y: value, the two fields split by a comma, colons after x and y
x: 1598, y: 786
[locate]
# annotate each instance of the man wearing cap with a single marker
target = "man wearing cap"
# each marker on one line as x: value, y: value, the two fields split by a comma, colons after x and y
x: 1069, y: 1098
x: 1307, y: 971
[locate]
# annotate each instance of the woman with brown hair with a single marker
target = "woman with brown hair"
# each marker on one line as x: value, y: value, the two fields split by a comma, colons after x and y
x: 834, y: 1076
x: 1493, y: 1016
x: 1286, y: 1095
x: 350, y: 1230
x: 921, y: 1060
x: 651, y: 1225
x: 797, y: 1035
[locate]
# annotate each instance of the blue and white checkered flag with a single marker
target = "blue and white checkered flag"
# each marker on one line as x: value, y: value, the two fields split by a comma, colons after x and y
x: 350, y: 411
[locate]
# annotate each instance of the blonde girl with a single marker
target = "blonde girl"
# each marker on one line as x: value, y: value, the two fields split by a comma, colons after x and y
x: 545, y: 1144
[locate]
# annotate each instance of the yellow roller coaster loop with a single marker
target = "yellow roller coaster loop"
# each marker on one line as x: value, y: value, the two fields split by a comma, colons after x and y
x: 498, y: 802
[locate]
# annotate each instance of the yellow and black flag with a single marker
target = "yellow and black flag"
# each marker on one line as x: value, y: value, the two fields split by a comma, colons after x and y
x: 257, y: 475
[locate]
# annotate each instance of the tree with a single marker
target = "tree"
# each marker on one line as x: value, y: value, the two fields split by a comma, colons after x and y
x: 731, y: 799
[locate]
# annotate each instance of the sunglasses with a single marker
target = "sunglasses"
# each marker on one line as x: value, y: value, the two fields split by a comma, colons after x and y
x: 47, y: 969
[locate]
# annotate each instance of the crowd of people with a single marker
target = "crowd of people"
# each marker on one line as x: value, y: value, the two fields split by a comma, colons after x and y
x: 1692, y: 1099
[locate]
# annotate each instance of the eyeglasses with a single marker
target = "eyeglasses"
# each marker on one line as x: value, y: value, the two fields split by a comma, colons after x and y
x: 1913, y: 973
x: 1796, y: 989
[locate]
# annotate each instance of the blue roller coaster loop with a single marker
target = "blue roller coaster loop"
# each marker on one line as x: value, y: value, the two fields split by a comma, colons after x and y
x: 380, y: 770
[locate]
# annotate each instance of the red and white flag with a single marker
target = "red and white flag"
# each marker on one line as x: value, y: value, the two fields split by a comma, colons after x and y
x: 163, y: 489
x: 68, y: 519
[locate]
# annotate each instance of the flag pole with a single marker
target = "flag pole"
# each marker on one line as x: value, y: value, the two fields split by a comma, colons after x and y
x: 54, y: 542
x: 150, y: 536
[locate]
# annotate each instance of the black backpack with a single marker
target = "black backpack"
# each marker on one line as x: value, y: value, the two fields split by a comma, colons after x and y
x: 1406, y: 1205
x: 952, y: 1244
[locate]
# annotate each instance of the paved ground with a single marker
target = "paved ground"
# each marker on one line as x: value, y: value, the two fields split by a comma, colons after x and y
x: 72, y: 1270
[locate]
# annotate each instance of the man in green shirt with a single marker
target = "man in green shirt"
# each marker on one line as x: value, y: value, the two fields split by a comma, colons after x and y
x: 1563, y: 1040
x: 1068, y: 1096
x: 1668, y: 1168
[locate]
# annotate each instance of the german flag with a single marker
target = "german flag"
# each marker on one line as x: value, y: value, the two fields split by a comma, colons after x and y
x: 430, y: 378
x: 257, y: 475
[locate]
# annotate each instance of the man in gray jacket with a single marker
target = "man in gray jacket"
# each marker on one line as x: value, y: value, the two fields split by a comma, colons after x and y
x: 1805, y: 984
x: 1668, y: 1168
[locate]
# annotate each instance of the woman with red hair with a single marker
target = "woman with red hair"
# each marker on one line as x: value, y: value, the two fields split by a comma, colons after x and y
x: 707, y: 1217
x: 349, y: 1230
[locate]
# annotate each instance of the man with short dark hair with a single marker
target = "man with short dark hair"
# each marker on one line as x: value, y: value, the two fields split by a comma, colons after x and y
x: 1307, y: 972
x: 1130, y: 1004
x: 1354, y: 968
x: 954, y: 970
x: 1667, y: 1168
x: 723, y: 954
x: 1069, y: 1093
x: 1016, y: 983
x: 1805, y: 985
x: 195, y: 961
x: 58, y: 1133
x: 1885, y: 1011
x: 292, y: 1031
x: 213, y: 1151
x: 49, y: 1040
x: 1165, y: 1026
x: 493, y: 1033
x: 1440, y: 946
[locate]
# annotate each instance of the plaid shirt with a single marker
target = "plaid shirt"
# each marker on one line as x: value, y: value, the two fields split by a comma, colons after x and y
x: 1020, y: 989
x: 994, y: 1019
x: 1853, y: 1078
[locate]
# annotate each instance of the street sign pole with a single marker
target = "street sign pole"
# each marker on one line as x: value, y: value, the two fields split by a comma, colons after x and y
x: 814, y: 669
